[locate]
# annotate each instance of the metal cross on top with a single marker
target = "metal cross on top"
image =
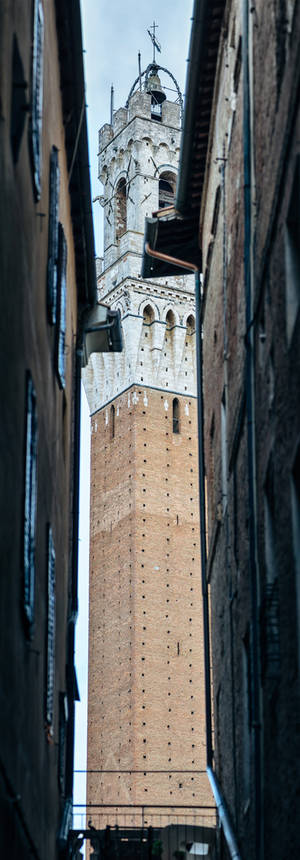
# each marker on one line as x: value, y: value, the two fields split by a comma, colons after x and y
x: 154, y: 40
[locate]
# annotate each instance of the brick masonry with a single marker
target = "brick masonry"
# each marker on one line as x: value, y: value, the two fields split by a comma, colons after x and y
x: 274, y: 72
x: 146, y: 699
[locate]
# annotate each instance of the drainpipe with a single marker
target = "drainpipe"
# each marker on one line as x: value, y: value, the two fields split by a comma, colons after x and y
x: 66, y: 821
x: 217, y: 792
x: 74, y: 569
x: 250, y: 408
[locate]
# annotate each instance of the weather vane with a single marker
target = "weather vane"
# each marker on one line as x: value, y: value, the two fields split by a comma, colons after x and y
x: 154, y: 40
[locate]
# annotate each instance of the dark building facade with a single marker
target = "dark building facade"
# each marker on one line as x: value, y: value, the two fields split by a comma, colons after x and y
x: 47, y: 282
x: 238, y: 195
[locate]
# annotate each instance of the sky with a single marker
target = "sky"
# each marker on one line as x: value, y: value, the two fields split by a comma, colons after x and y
x: 113, y: 34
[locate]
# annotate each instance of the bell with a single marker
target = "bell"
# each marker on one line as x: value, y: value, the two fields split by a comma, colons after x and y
x: 155, y: 90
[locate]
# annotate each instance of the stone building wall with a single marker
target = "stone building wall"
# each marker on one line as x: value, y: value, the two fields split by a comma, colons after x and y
x: 274, y: 85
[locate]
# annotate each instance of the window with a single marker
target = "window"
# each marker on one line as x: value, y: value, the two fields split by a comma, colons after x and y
x: 18, y: 101
x: 112, y: 422
x: 176, y: 425
x: 148, y: 319
x: 37, y: 96
x: 292, y: 256
x: 269, y: 522
x: 30, y: 501
x: 63, y: 720
x: 214, y: 223
x: 54, y: 178
x: 190, y: 325
x: 50, y: 632
x: 237, y: 68
x: 295, y: 492
x: 269, y: 612
x: 170, y: 320
x: 224, y: 452
x: 61, y: 306
x: 121, y: 214
x: 166, y: 189
x: 156, y: 110
x: 247, y: 712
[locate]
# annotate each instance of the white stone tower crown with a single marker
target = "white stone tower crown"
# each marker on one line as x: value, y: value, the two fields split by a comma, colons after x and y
x: 138, y: 163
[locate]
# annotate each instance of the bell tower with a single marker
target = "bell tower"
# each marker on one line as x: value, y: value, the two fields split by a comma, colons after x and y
x: 146, y: 713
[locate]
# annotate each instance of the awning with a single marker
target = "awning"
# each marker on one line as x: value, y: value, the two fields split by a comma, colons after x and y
x: 172, y: 235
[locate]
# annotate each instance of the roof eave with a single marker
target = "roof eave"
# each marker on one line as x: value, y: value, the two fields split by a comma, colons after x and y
x: 70, y: 48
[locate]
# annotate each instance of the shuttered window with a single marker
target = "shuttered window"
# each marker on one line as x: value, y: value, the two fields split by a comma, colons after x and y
x: 54, y: 181
x: 30, y: 501
x: 61, y: 306
x: 37, y: 95
x: 63, y: 719
x: 50, y: 631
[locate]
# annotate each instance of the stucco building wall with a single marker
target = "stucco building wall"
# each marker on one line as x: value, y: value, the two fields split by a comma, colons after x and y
x: 35, y: 748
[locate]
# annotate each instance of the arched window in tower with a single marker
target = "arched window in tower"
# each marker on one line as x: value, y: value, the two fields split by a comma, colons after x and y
x: 148, y: 315
x: 188, y: 365
x: 156, y: 110
x: 166, y: 189
x: 190, y: 325
x: 121, y: 212
x: 170, y: 320
x: 176, y: 416
x: 112, y: 422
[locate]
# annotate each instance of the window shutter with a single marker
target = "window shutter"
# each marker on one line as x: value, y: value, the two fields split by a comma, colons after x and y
x: 30, y: 500
x: 37, y: 95
x: 61, y: 306
x: 51, y: 630
x: 63, y: 719
x: 54, y: 182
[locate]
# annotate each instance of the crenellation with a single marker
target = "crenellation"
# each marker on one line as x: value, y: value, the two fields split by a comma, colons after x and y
x: 120, y: 119
x: 105, y: 135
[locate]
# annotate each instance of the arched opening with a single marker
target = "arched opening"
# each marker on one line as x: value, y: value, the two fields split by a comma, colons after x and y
x: 121, y: 213
x: 176, y: 416
x: 166, y: 189
x: 112, y: 422
x: 148, y: 315
x: 170, y: 320
x: 190, y: 325
x: 156, y: 110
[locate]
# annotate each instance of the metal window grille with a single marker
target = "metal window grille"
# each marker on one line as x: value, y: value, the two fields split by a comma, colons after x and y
x: 30, y: 501
x: 61, y: 306
x: 37, y: 95
x: 54, y: 182
x: 50, y: 631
